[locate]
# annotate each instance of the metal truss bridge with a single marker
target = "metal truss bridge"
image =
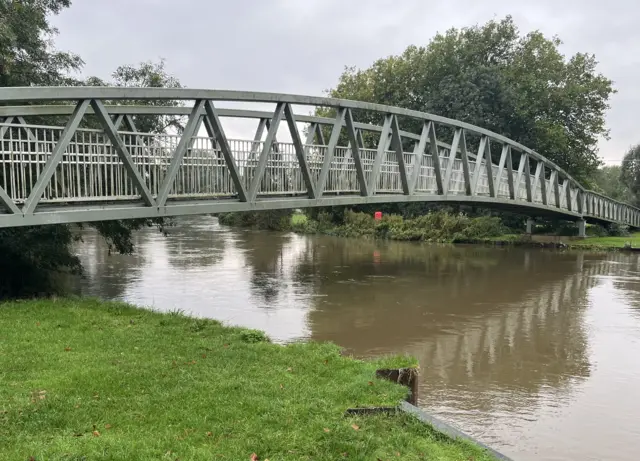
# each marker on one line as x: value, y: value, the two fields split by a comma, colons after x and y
x: 74, y: 154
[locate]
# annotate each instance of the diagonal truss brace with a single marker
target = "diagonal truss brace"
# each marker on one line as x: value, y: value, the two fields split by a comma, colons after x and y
x: 331, y: 147
x: 112, y: 133
x: 216, y: 133
x: 300, y: 151
x: 396, y: 143
x: 55, y: 157
x: 417, y: 158
x: 433, y: 146
x: 380, y: 153
x: 355, y: 152
x: 5, y: 200
x: 266, y: 148
x: 482, y: 149
x: 178, y: 154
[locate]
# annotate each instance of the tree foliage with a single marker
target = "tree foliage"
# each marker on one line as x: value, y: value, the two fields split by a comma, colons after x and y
x: 31, y: 256
x: 630, y: 173
x: 520, y: 86
x: 27, y: 54
x: 149, y: 75
x: 609, y: 181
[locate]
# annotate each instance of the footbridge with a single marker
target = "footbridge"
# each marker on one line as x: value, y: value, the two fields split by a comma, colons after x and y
x: 77, y: 154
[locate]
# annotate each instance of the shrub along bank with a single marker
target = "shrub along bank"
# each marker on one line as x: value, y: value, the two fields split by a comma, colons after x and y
x: 434, y: 226
x: 84, y: 379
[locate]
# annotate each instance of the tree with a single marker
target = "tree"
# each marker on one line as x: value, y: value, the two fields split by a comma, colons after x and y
x: 608, y: 181
x: 27, y: 55
x: 630, y: 173
x: 30, y: 257
x: 491, y: 76
x: 151, y: 75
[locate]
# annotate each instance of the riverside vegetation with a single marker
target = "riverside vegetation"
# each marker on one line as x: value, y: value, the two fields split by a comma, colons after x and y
x: 85, y: 379
x: 434, y: 226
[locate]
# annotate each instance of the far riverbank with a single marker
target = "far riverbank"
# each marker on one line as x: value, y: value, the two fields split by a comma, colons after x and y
x: 433, y: 227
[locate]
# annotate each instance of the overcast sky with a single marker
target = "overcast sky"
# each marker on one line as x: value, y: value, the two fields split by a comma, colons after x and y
x: 302, y: 46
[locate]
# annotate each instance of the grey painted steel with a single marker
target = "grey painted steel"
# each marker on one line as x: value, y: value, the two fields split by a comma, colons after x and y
x: 355, y: 152
x: 49, y: 168
x: 79, y: 176
x: 123, y: 152
x: 268, y: 144
x: 447, y: 429
x: 396, y: 143
x: 331, y: 147
x: 178, y: 154
x: 215, y: 131
x: 299, y: 148
x: 382, y: 147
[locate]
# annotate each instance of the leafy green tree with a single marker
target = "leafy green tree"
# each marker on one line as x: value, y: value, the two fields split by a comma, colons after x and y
x: 496, y: 78
x: 608, y: 181
x: 630, y: 173
x: 148, y: 74
x: 27, y: 55
x: 31, y: 257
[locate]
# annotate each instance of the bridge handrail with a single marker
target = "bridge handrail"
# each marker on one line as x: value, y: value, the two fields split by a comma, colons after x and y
x: 25, y: 94
x: 51, y: 110
x: 593, y: 192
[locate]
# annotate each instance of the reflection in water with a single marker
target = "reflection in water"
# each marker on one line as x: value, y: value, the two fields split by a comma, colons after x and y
x: 515, y: 345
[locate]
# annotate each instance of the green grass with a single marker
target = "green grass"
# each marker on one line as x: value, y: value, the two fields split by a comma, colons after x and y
x: 608, y: 242
x: 91, y: 380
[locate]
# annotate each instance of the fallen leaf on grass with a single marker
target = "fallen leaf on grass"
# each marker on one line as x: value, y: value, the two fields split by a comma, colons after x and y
x: 67, y: 349
x: 289, y: 369
x: 107, y: 426
x: 209, y: 434
x: 225, y: 346
x: 326, y: 429
x: 281, y: 386
x: 355, y: 427
x: 31, y: 458
x: 326, y: 362
x: 370, y: 383
x: 96, y: 434
x: 204, y: 356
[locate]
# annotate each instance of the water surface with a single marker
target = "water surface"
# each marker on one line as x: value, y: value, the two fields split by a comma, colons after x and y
x: 536, y: 353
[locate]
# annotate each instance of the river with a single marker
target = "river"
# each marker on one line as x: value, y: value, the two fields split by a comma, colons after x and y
x: 534, y: 352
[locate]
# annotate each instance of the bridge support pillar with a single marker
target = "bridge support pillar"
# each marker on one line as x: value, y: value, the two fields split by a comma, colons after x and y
x: 530, y: 223
x: 582, y: 228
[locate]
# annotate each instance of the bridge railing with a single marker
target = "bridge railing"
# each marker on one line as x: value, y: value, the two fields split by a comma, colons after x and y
x: 41, y: 165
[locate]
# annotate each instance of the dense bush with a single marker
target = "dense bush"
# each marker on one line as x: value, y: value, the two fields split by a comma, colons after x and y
x: 268, y: 220
x: 437, y: 226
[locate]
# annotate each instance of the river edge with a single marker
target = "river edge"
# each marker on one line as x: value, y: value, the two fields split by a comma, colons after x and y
x: 85, y: 350
x: 481, y: 231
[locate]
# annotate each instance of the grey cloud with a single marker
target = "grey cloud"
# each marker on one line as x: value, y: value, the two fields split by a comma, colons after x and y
x: 302, y: 46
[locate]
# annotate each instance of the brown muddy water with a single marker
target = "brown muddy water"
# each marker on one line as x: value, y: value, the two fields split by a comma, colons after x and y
x: 534, y: 352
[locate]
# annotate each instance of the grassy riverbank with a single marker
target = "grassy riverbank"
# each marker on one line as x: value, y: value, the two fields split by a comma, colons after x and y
x: 84, y: 379
x: 608, y: 242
